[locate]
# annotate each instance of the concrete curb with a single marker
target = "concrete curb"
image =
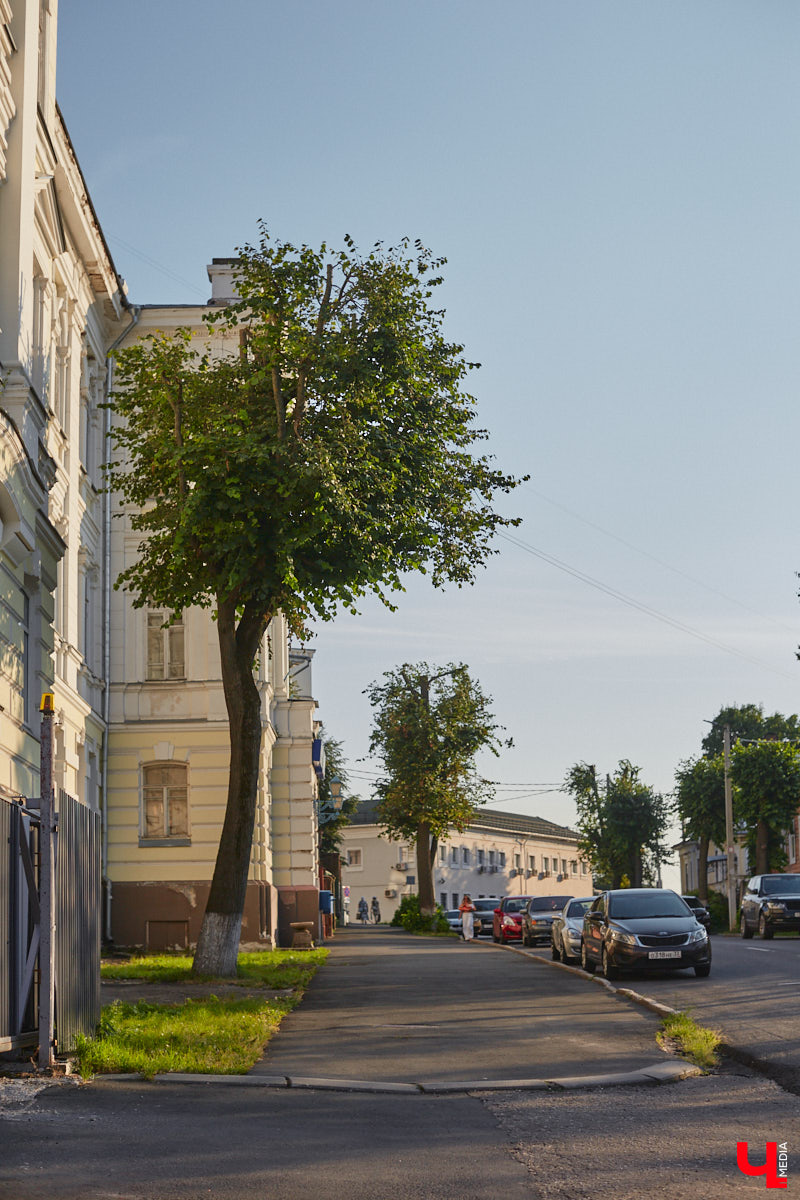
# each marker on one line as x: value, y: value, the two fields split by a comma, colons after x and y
x: 662, y: 1072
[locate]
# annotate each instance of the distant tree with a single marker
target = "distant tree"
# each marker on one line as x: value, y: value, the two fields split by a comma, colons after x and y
x: 332, y: 453
x: 330, y: 832
x: 428, y: 726
x: 747, y: 723
x: 622, y: 824
x: 700, y: 803
x: 766, y: 777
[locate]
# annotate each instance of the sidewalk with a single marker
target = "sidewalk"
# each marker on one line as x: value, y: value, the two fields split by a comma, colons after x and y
x: 393, y: 1012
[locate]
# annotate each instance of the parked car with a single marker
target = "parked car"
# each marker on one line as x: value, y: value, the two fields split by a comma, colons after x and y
x: 567, y: 928
x: 484, y: 908
x: 770, y: 904
x: 507, y: 922
x: 643, y: 929
x: 453, y: 918
x: 699, y: 910
x: 538, y: 916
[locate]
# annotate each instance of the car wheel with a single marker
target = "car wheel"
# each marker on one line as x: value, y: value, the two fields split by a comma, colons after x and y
x: 764, y: 930
x: 586, y: 962
x: 703, y: 972
x: 495, y: 938
x: 744, y: 928
x: 607, y: 967
x: 555, y: 951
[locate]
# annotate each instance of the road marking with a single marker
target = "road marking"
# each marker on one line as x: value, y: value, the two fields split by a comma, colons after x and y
x: 759, y: 949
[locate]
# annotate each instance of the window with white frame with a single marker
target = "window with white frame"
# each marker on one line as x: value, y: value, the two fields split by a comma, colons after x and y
x: 481, y: 857
x: 165, y: 645
x: 165, y: 801
x: 531, y: 862
x: 501, y: 856
x: 545, y: 865
x: 465, y: 856
x: 354, y: 858
x: 573, y: 866
x: 584, y: 868
x: 517, y: 862
x: 443, y: 899
x: 442, y: 855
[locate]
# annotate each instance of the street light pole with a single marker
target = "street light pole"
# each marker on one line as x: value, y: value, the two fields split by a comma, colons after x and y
x: 729, y: 846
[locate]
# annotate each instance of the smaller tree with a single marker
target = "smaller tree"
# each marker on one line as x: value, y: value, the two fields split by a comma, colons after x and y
x: 622, y: 824
x: 766, y: 777
x: 427, y: 728
x: 701, y: 808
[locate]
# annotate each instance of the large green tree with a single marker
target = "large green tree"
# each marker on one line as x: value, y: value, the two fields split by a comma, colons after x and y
x: 748, y: 722
x: 428, y: 726
x: 622, y: 824
x: 700, y: 802
x: 330, y: 829
x: 333, y: 453
x: 766, y: 779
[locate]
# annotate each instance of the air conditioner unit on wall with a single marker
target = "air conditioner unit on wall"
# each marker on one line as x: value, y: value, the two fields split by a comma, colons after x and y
x: 390, y: 893
x: 401, y: 866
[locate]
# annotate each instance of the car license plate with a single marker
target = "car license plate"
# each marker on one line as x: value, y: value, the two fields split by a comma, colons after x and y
x: 664, y: 954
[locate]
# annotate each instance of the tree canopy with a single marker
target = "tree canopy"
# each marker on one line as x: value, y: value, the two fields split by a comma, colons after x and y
x: 331, y: 453
x: 622, y: 824
x: 700, y: 802
x: 766, y: 779
x: 428, y: 726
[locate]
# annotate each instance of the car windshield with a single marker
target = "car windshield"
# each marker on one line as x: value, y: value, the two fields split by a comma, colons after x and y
x: 486, y: 905
x: 646, y: 904
x: 515, y: 905
x: 773, y: 885
x: 547, y: 903
x: 577, y: 908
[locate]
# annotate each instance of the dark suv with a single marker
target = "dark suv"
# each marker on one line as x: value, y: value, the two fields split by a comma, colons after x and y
x: 770, y: 904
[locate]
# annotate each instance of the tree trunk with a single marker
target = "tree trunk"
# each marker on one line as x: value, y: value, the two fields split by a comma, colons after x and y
x: 427, y: 901
x: 218, y: 944
x: 762, y: 847
x: 702, y: 869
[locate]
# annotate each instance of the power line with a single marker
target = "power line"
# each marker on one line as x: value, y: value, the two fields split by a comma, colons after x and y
x: 112, y: 237
x: 638, y: 605
x: 660, y: 561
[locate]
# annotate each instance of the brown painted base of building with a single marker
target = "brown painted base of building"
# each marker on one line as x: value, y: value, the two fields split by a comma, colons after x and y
x: 165, y: 916
x: 300, y: 903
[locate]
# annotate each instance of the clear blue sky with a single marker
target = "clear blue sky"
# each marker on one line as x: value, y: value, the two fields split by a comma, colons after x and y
x: 615, y: 186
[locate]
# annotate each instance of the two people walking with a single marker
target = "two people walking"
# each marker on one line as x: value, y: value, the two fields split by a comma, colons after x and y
x: 369, y: 912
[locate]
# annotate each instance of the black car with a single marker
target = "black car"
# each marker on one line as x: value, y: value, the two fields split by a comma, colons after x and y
x: 643, y: 929
x: 484, y: 908
x: 770, y: 904
x: 699, y: 910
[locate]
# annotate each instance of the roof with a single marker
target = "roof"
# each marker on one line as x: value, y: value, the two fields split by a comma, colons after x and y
x: 485, y: 819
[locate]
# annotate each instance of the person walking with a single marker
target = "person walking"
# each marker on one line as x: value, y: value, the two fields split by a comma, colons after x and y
x: 363, y: 911
x: 467, y: 908
x: 376, y: 911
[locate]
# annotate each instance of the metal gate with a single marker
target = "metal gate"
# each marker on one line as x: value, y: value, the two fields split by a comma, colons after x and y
x: 76, y: 917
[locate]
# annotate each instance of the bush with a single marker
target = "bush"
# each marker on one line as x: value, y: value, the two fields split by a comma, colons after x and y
x: 409, y: 917
x: 717, y: 906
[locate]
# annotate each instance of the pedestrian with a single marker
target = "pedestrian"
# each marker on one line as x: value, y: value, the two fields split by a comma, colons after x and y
x: 376, y: 911
x: 467, y: 908
x: 363, y: 911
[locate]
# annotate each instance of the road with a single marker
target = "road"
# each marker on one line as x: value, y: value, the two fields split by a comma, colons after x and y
x: 752, y: 995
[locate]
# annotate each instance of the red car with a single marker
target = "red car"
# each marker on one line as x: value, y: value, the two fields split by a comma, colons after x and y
x: 508, y: 919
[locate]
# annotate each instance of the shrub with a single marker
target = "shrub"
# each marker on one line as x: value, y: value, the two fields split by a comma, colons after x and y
x: 717, y: 906
x: 409, y: 917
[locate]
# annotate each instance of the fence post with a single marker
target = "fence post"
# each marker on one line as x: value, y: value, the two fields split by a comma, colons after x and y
x: 47, y: 893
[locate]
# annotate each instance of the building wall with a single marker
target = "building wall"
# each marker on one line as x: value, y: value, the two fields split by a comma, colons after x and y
x: 387, y: 869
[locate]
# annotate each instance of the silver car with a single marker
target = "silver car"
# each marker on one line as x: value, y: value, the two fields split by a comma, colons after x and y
x: 567, y: 928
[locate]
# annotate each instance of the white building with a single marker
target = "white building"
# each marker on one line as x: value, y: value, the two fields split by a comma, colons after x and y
x: 141, y: 732
x: 499, y: 854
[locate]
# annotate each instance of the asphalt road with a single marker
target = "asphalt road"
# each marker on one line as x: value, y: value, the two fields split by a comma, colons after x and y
x: 752, y: 996
x: 166, y: 1141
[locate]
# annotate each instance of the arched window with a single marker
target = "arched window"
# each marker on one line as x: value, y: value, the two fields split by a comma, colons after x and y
x: 165, y: 802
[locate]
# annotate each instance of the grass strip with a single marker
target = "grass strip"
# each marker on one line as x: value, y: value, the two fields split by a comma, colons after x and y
x: 208, y: 1036
x: 696, y: 1042
x: 265, y: 968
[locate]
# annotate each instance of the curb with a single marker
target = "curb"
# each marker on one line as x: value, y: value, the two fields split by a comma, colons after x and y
x: 662, y: 1072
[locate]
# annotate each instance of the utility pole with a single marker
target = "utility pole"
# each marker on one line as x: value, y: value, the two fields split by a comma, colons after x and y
x: 47, y: 907
x: 729, y: 846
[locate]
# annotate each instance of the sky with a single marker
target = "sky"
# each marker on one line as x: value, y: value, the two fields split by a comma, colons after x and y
x: 615, y: 187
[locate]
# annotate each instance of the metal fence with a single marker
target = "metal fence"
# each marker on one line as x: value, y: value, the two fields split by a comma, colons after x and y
x: 76, y: 915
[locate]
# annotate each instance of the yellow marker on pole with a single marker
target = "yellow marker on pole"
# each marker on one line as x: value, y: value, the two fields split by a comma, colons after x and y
x: 48, y: 704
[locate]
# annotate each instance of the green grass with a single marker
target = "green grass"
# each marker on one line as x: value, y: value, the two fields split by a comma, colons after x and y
x: 265, y: 968
x: 695, y: 1041
x: 204, y: 1036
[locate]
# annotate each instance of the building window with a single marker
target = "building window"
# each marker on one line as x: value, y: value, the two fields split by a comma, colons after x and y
x: 481, y: 857
x: 491, y: 858
x: 455, y: 899
x: 573, y: 866
x: 546, y: 865
x: 443, y: 900
x: 26, y: 659
x: 164, y: 645
x: 165, y: 801
x: 531, y: 862
x: 442, y: 855
x: 517, y: 862
x: 354, y: 859
x: 502, y: 857
x: 465, y: 856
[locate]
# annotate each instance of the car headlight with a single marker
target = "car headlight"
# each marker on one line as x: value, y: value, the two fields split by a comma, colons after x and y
x: 509, y: 921
x: 616, y: 935
x: 698, y: 935
x: 776, y: 906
